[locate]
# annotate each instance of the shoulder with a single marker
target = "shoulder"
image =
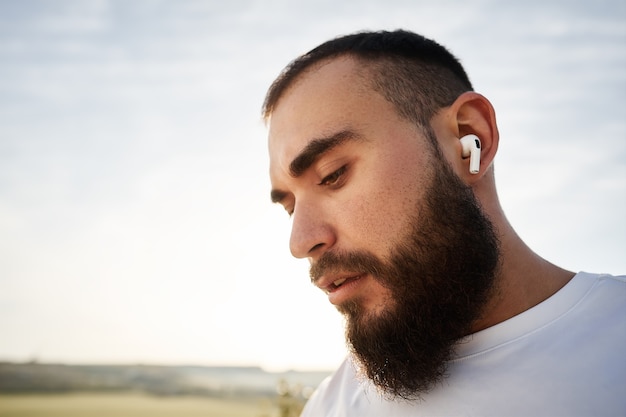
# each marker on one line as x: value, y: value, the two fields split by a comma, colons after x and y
x: 605, y: 297
x: 585, y: 283
x: 602, y: 284
x: 327, y: 398
x: 618, y: 279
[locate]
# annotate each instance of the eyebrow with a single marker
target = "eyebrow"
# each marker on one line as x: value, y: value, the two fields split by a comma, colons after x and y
x: 312, y: 152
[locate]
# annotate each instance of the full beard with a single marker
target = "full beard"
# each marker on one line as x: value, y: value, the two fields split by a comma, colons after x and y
x: 440, y: 278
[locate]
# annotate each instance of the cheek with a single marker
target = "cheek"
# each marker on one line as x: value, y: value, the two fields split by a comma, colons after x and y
x: 378, y: 217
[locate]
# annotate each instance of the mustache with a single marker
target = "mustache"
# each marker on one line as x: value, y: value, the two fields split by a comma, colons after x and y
x: 361, y: 262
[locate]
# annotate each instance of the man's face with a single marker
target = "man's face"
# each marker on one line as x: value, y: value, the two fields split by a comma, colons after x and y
x: 393, y: 236
x: 367, y: 170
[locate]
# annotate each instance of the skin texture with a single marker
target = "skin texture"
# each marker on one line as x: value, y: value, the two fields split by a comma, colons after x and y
x: 353, y: 173
x: 439, y: 276
x: 387, y: 158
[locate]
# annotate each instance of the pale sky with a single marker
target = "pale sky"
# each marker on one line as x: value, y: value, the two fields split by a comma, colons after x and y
x: 135, y: 222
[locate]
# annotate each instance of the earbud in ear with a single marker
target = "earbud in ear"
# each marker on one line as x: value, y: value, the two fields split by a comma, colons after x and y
x: 471, y: 149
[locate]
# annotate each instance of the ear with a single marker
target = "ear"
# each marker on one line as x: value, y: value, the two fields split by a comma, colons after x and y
x: 470, y: 114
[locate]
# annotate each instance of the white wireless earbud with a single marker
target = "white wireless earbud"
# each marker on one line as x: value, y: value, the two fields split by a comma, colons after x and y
x: 471, y: 149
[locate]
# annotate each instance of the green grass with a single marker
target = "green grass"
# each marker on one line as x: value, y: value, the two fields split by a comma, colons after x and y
x: 129, y: 405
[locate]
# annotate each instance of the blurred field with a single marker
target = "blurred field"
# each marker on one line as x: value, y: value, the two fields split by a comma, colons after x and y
x: 130, y: 405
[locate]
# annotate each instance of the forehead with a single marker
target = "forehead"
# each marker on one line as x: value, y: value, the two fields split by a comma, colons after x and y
x: 332, y: 96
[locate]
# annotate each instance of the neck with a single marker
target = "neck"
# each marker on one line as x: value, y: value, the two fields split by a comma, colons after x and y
x: 523, y: 280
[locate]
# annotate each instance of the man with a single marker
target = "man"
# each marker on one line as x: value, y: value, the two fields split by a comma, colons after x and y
x: 382, y: 154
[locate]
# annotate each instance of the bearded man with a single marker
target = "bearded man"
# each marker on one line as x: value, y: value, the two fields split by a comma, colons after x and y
x: 382, y: 154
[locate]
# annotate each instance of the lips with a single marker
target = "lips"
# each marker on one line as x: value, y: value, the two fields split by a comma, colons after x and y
x: 332, y: 284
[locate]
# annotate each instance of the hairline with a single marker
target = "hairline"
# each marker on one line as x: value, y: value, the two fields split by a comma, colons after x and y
x: 372, y: 75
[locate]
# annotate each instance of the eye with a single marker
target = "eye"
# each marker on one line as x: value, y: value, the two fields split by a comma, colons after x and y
x: 333, y: 179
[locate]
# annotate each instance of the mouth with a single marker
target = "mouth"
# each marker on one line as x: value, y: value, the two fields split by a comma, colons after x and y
x: 340, y: 282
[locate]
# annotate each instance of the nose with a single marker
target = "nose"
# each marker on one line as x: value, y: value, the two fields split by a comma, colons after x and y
x: 311, y: 234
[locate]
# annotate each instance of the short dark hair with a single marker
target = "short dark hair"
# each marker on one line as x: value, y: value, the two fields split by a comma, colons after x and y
x: 417, y: 75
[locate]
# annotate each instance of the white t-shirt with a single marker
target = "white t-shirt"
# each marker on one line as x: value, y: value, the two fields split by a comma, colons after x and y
x: 564, y: 357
